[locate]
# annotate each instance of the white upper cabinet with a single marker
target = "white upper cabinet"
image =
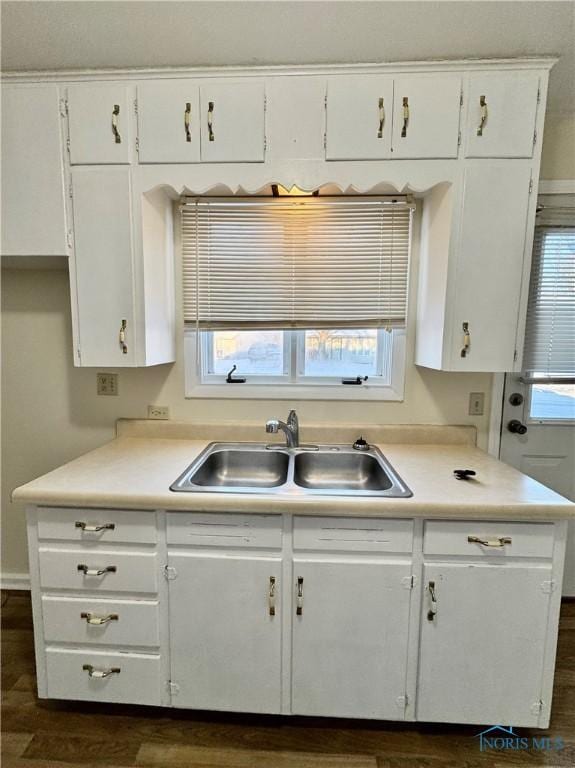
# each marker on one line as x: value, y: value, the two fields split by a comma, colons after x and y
x: 501, y: 114
x: 33, y: 210
x: 169, y: 121
x: 100, y: 119
x: 489, y: 266
x: 232, y: 121
x: 426, y: 116
x: 359, y: 111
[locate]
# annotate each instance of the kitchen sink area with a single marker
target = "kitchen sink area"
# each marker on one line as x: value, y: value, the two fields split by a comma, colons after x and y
x: 332, y: 470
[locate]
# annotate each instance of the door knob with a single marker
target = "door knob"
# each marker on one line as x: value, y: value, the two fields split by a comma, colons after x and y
x: 516, y: 427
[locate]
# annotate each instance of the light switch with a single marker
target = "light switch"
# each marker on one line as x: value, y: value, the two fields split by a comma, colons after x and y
x: 476, y: 403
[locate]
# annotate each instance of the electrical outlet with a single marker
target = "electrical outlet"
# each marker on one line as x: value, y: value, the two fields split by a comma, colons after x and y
x: 476, y: 403
x: 158, y: 412
x: 107, y: 383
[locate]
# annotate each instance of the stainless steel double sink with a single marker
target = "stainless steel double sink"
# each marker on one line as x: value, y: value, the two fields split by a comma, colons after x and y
x: 333, y: 470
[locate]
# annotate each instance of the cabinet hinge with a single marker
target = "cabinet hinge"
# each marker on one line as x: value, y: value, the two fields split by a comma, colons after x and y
x: 170, y: 572
x: 265, y: 143
x: 514, y: 355
x: 137, y: 144
x: 459, y: 139
x: 534, y: 138
x: 461, y: 99
x: 325, y: 141
x: 173, y: 688
x: 530, y: 186
x: 538, y: 94
x: 70, y: 191
x: 408, y: 582
x: 536, y: 707
x: 79, y: 354
x: 63, y: 107
x: 69, y: 238
x: 68, y: 146
x: 547, y: 587
x: 325, y: 101
x: 402, y: 701
x: 265, y: 102
x: 136, y: 106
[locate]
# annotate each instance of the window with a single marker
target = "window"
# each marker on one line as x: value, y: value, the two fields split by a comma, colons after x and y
x: 297, y: 292
x: 549, y: 356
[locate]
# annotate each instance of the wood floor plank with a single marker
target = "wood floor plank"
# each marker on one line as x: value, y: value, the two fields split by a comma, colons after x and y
x: 13, y: 744
x: 70, y: 748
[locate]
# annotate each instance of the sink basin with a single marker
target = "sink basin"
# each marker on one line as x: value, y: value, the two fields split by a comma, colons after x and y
x: 343, y: 471
x: 229, y: 468
x: 328, y: 470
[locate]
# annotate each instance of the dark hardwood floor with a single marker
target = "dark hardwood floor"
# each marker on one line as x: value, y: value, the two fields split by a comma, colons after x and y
x: 40, y: 734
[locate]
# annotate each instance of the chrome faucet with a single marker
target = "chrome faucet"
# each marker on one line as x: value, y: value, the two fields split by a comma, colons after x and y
x: 289, y: 428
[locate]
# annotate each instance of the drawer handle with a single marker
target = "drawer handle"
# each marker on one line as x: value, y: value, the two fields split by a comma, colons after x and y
x: 381, y: 119
x: 97, y: 621
x: 95, y: 528
x: 483, y: 115
x: 187, y: 114
x: 466, y: 340
x: 272, y: 596
x: 299, y: 600
x: 100, y: 673
x: 499, y: 542
x: 210, y: 120
x: 97, y: 571
x: 122, y: 337
x: 432, y: 612
x: 405, y: 117
x: 116, y: 132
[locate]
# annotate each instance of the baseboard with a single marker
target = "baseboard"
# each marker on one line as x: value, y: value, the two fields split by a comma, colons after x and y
x: 14, y: 581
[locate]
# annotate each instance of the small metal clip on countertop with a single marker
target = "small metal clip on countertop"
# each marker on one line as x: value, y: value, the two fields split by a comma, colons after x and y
x: 464, y: 474
x: 231, y: 379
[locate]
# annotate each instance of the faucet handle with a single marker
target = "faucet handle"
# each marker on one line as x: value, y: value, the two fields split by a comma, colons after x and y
x: 292, y: 417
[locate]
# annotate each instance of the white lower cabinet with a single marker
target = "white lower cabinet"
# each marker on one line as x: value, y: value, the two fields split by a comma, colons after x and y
x: 483, y: 642
x: 225, y: 631
x: 441, y: 621
x: 350, y: 637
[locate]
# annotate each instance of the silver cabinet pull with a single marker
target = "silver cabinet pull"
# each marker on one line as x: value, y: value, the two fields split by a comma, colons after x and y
x: 210, y: 120
x: 187, y: 115
x: 299, y: 601
x: 272, y: 596
x: 122, y: 337
x: 431, y: 613
x: 405, y: 117
x: 97, y: 571
x: 95, y: 528
x: 466, y: 340
x: 483, y: 115
x: 381, y: 119
x: 100, y: 673
x: 97, y: 621
x: 496, y: 543
x: 116, y: 132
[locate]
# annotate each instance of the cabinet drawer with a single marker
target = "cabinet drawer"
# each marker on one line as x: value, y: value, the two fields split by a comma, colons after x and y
x: 362, y: 534
x: 128, y: 571
x: 115, y: 525
x: 500, y: 539
x: 138, y: 680
x: 126, y: 622
x: 222, y: 530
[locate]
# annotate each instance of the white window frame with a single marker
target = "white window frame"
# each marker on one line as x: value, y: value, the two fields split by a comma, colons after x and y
x: 313, y: 388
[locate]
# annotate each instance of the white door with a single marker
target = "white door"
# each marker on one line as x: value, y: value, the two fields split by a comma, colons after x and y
x: 359, y: 112
x: 426, y: 116
x: 33, y: 212
x: 225, y: 633
x: 104, y: 265
x: 490, y: 257
x: 169, y: 122
x: 481, y: 653
x: 546, y: 451
x: 350, y: 637
x: 501, y: 114
x: 232, y: 122
x: 100, y: 124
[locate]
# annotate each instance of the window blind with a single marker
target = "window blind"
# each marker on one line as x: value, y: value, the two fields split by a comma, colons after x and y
x: 293, y: 263
x: 550, y: 330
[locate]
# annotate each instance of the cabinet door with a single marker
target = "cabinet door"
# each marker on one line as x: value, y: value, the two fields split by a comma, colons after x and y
x: 426, y: 116
x: 33, y: 212
x: 232, y: 122
x: 350, y: 641
x: 100, y: 124
x: 481, y: 656
x: 490, y: 265
x: 225, y: 642
x: 359, y: 113
x: 501, y: 114
x: 169, y: 122
x: 104, y: 266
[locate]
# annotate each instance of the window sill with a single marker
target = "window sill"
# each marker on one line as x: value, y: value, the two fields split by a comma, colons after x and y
x: 292, y: 391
